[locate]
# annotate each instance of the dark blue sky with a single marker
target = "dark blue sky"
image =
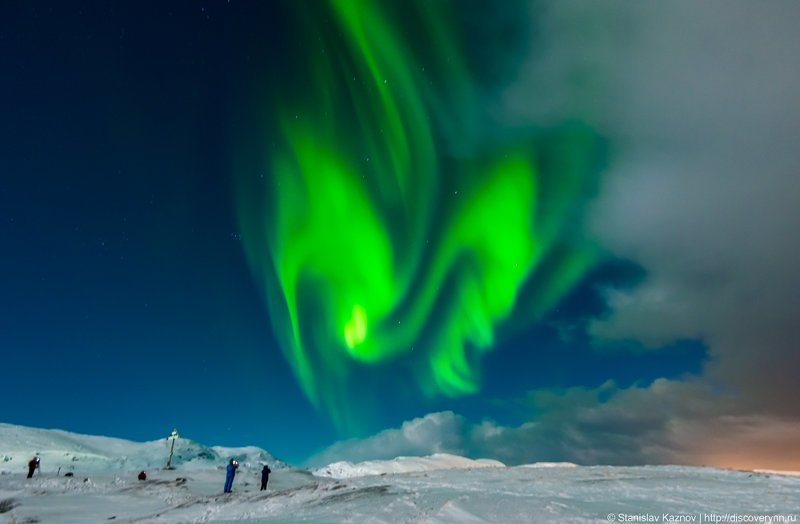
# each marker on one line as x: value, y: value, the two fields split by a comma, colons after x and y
x: 127, y: 305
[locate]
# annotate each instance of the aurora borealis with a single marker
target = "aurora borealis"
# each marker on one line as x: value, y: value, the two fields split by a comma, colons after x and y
x: 380, y: 247
x: 344, y: 230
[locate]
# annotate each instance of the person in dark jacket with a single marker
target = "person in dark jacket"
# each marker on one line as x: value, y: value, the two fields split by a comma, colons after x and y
x: 231, y: 472
x: 142, y: 475
x: 265, y: 477
x: 33, y: 465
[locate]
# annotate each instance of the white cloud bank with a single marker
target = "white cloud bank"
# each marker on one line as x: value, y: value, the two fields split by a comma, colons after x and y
x: 434, y: 433
x: 666, y: 423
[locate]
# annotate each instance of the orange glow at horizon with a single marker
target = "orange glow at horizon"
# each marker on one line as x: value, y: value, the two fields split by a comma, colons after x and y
x: 747, y: 443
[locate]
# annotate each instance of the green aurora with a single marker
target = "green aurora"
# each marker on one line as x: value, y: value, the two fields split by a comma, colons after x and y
x: 394, y: 246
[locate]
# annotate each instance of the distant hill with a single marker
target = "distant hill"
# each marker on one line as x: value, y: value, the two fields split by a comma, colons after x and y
x: 438, y: 461
x: 87, y: 453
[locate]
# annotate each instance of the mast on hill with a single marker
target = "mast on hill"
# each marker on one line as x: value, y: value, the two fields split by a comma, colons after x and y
x: 173, y: 437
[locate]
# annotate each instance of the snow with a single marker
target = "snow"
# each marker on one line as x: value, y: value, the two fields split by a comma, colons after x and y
x: 88, y: 453
x: 343, y: 470
x: 549, y: 465
x: 778, y: 472
x: 436, y: 489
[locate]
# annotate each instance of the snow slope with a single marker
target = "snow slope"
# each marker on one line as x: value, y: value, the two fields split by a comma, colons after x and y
x: 343, y: 470
x: 549, y: 465
x: 507, y: 495
x: 88, y: 453
x: 104, y: 488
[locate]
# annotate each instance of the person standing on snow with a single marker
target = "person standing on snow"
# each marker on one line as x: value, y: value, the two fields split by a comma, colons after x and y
x: 231, y: 472
x: 265, y: 477
x: 33, y: 465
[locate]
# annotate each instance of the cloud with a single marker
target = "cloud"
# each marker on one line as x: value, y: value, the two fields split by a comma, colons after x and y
x: 668, y: 422
x: 701, y: 104
x: 434, y: 433
x: 705, y: 192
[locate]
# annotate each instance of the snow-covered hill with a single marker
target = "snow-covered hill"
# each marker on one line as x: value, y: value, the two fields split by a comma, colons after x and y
x: 72, y: 452
x: 343, y: 470
x: 436, y: 489
x: 549, y: 465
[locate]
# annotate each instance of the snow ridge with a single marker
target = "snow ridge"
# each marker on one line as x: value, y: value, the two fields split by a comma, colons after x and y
x: 437, y: 461
x: 88, y: 453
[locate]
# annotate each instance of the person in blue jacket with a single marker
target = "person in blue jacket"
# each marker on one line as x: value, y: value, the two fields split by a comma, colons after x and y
x: 231, y: 472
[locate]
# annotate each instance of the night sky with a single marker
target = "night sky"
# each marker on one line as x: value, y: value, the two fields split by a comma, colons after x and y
x: 343, y: 230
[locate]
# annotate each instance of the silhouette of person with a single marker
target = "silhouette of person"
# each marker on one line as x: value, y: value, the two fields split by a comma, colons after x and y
x: 265, y: 477
x: 33, y: 465
x: 231, y: 472
x: 142, y: 475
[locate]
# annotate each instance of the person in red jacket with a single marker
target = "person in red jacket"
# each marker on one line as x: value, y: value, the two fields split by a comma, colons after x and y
x: 33, y: 465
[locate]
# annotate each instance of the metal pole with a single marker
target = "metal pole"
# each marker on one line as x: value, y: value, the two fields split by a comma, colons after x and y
x: 173, y: 437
